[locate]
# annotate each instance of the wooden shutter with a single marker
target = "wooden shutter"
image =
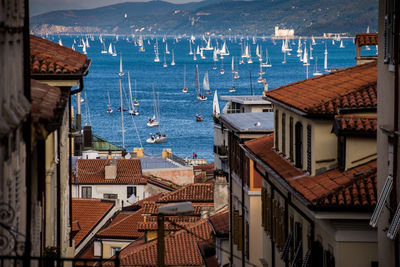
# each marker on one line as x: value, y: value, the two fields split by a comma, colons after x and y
x: 277, y: 130
x: 247, y: 240
x: 263, y: 206
x: 240, y: 232
x: 309, y: 149
x: 291, y: 138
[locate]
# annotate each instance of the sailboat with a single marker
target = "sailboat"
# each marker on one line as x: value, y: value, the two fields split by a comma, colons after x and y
x: 236, y: 76
x: 122, y: 109
x: 135, y: 101
x: 206, y: 84
x: 198, y: 50
x: 200, y: 97
x: 216, y: 110
x: 153, y: 121
x: 109, y: 108
x: 326, y: 60
x: 208, y: 47
x: 311, y: 49
x: 104, y: 51
x: 165, y: 62
x: 156, y: 58
x: 84, y: 49
x: 316, y: 71
x: 120, y: 73
x: 341, y: 44
x: 185, y: 89
x: 313, y: 41
x: 249, y: 60
x: 166, y: 48
x: 190, y: 48
x: 132, y: 110
x: 157, y: 137
x: 233, y: 64
x: 233, y: 89
x: 222, y: 71
x: 110, y: 49
x: 114, y: 54
x: 201, y: 54
x: 173, y: 58
x: 215, y: 55
x: 267, y: 62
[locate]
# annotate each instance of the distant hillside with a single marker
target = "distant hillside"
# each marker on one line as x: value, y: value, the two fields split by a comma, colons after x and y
x: 215, y: 16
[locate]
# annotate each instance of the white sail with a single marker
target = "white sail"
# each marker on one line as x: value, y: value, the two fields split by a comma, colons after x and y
x: 114, y: 54
x: 156, y: 58
x: 206, y: 83
x: 313, y: 40
x: 198, y: 50
x: 341, y: 44
x: 87, y: 42
x: 215, y: 57
x: 190, y: 48
x: 166, y: 48
x: 201, y: 54
x: 208, y: 47
x: 173, y: 58
x: 233, y: 64
x: 110, y: 49
x: 73, y: 47
x: 216, y: 111
x: 326, y: 59
x: 305, y: 57
x: 121, y: 72
x: 311, y: 49
x: 165, y: 62
x: 84, y: 49
x: 60, y: 42
x: 258, y: 51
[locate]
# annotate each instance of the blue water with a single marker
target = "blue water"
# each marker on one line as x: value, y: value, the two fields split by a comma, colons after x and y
x: 178, y: 110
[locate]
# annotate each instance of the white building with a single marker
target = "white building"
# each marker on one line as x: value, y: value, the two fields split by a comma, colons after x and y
x: 283, y: 32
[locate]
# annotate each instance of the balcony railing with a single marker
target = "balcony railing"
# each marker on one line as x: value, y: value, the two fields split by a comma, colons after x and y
x: 221, y: 151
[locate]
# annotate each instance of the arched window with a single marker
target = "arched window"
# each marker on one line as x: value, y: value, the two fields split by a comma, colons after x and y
x: 299, y: 144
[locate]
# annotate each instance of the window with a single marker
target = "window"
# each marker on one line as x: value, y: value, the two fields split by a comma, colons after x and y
x: 342, y: 153
x: 247, y: 241
x: 388, y: 33
x: 277, y: 130
x: 299, y: 144
x: 86, y: 192
x: 114, y: 250
x: 130, y: 190
x: 284, y: 133
x: 110, y: 196
x: 298, y: 237
x: 309, y: 149
x: 291, y: 138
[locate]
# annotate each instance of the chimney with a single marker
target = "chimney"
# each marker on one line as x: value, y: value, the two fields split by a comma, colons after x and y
x: 110, y: 170
x: 166, y: 153
x: 138, y: 152
x: 221, y: 192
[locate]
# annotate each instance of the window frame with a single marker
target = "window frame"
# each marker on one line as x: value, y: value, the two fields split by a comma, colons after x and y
x: 88, y: 188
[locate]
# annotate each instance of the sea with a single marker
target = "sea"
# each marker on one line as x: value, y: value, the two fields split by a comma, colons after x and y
x: 177, y: 109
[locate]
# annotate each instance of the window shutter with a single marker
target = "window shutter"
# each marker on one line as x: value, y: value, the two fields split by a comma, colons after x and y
x: 284, y: 133
x: 263, y: 207
x: 309, y: 149
x: 247, y: 240
x: 277, y: 130
x: 240, y: 233
x: 291, y: 138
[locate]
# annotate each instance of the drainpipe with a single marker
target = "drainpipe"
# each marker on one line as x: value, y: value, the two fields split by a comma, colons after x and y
x: 58, y: 175
x: 396, y: 121
x: 230, y: 203
x: 27, y: 132
x: 81, y: 86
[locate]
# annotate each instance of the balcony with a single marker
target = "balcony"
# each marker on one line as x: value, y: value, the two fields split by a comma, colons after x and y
x: 221, y: 151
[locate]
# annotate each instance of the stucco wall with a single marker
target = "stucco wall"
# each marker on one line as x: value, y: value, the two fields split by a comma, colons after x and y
x: 107, y: 245
x: 179, y: 176
x: 359, y: 150
x: 99, y: 190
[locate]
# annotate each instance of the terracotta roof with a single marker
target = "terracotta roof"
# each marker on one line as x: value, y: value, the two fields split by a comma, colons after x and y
x: 124, y: 225
x: 151, y: 208
x: 196, y: 192
x: 91, y: 171
x: 367, y: 39
x: 355, y: 124
x: 180, y: 248
x: 208, y: 168
x: 220, y: 223
x: 315, y: 189
x: 207, y: 250
x: 139, y: 204
x: 320, y: 94
x: 47, y: 57
x: 45, y: 100
x: 87, y: 254
x: 364, y: 97
x: 88, y: 212
x: 151, y: 222
x: 161, y: 182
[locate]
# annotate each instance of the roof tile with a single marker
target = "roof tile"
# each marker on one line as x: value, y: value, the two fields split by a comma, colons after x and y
x: 367, y: 39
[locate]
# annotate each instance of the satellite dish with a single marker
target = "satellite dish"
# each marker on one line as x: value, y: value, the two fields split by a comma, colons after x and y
x: 131, y: 199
